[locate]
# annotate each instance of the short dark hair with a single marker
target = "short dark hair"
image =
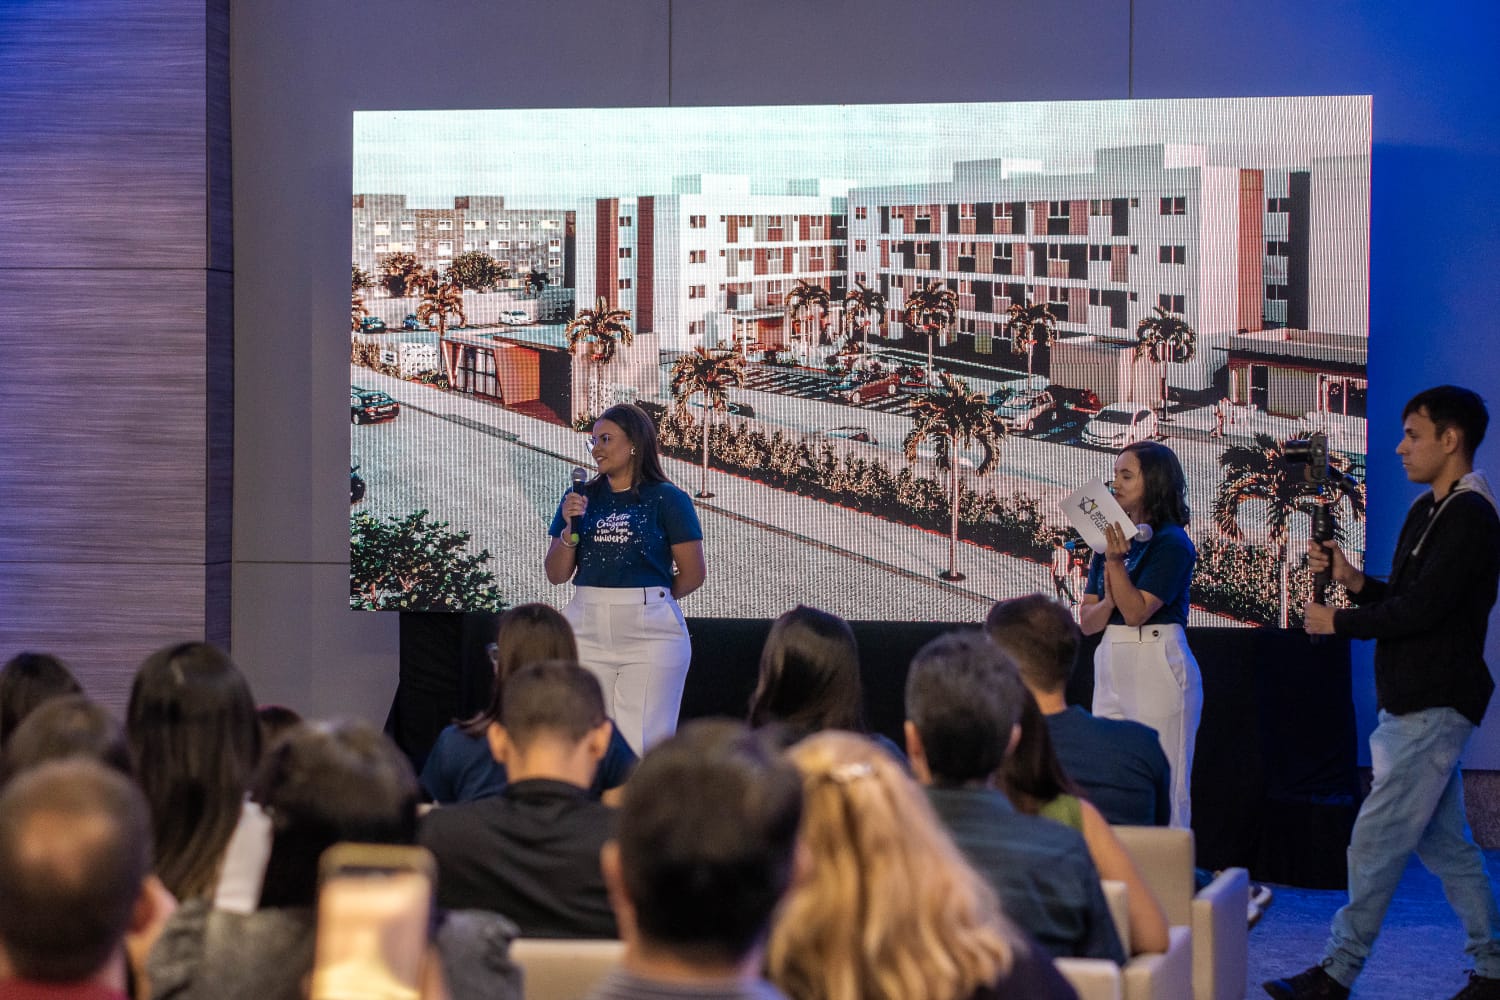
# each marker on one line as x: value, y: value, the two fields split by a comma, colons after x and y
x: 809, y: 675
x: 707, y: 839
x: 1165, y: 498
x: 70, y: 726
x: 1453, y: 406
x: 326, y: 783
x: 26, y: 681
x: 75, y: 848
x: 553, y: 696
x: 196, y: 739
x: 964, y: 696
x: 1039, y: 635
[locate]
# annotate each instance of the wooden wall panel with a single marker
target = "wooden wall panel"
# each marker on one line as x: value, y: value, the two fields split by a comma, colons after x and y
x: 102, y: 133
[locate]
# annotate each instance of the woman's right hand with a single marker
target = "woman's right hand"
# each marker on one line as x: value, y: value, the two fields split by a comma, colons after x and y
x: 574, y: 504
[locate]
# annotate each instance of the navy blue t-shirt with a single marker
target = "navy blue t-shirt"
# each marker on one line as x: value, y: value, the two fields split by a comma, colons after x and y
x: 1162, y: 567
x: 626, y: 538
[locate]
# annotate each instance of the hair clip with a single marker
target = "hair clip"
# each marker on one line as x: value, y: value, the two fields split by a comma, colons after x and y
x: 847, y: 773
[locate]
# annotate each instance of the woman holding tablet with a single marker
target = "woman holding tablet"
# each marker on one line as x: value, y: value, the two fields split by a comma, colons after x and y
x: 1137, y: 595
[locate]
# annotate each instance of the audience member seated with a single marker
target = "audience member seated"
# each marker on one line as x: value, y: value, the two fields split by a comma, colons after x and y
x: 706, y: 849
x: 321, y: 785
x: 75, y: 863
x: 1038, y: 785
x: 69, y: 726
x: 1117, y: 763
x: 888, y: 909
x: 275, y: 722
x: 195, y: 739
x: 460, y: 767
x: 26, y: 681
x: 963, y: 706
x: 809, y: 679
x: 532, y: 852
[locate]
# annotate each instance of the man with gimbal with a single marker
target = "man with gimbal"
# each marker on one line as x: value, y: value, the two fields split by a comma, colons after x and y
x: 1432, y: 686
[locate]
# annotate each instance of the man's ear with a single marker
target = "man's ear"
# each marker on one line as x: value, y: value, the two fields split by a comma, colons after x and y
x: 598, y: 739
x: 500, y: 745
x: 915, y: 753
x: 1452, y: 439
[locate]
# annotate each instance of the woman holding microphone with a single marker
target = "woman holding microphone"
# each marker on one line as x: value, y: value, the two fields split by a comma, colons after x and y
x: 1137, y: 595
x: 631, y: 543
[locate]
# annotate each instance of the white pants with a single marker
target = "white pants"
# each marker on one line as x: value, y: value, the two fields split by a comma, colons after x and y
x: 1148, y: 674
x: 634, y: 640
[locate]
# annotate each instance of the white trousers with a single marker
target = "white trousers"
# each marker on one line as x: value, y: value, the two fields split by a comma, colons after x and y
x: 634, y: 640
x: 1148, y: 674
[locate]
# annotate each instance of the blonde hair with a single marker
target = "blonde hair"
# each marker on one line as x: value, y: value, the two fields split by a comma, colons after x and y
x: 890, y: 910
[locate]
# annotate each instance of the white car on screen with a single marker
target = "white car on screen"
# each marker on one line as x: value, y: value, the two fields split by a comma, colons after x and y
x: 514, y: 317
x: 1119, y: 424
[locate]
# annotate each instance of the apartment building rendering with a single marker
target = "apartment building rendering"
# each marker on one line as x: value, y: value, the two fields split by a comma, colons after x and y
x: 711, y: 262
x: 517, y: 238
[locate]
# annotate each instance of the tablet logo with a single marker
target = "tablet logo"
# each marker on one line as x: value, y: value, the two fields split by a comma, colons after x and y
x: 1090, y: 508
x: 1088, y: 505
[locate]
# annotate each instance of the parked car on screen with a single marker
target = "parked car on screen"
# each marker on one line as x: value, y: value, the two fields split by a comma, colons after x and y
x: 850, y: 433
x: 859, y: 392
x: 410, y: 322
x: 733, y: 408
x: 514, y: 317
x: 356, y: 484
x: 1119, y: 424
x: 372, y: 324
x: 1026, y: 410
x: 369, y: 405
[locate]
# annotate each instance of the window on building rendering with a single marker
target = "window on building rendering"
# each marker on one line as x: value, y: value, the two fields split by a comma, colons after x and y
x: 861, y: 212
x: 966, y: 210
x: 698, y: 222
x: 382, y: 229
x: 1276, y: 293
x: 697, y: 291
x: 407, y: 227
x: 697, y: 256
x: 445, y: 224
x: 1278, y: 204
x: 445, y: 248
x: 1278, y: 248
x: 623, y: 284
x: 1176, y: 205
x: 1172, y: 254
x: 1172, y: 303
x: 624, y: 222
x: 502, y: 223
x: 625, y: 253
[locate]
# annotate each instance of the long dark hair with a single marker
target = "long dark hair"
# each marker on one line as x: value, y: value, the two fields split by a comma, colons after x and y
x: 195, y: 737
x: 809, y: 675
x: 1165, y: 500
x: 1032, y: 775
x: 27, y: 680
x: 527, y: 633
x: 640, y: 430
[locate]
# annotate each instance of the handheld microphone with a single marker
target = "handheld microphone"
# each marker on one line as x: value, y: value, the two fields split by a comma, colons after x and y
x: 579, y: 477
x: 1143, y: 532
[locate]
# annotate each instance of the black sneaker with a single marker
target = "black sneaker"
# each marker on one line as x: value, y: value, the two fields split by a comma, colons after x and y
x: 1309, y: 985
x: 1479, y: 988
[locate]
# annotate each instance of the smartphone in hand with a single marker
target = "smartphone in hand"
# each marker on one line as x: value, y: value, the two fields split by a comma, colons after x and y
x: 374, y: 921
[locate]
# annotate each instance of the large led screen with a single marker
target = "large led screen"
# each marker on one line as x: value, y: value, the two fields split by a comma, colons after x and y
x: 881, y: 343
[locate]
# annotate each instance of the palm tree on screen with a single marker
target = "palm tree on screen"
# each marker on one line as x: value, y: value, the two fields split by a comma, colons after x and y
x: 865, y: 306
x: 439, y: 301
x: 803, y: 299
x: 603, y: 328
x: 701, y: 373
x: 1259, y: 475
x: 1030, y: 324
x: 932, y: 309
x: 954, y: 418
x: 1163, y: 337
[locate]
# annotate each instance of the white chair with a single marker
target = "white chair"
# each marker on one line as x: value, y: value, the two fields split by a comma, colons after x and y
x: 558, y: 969
x: 1152, y: 976
x: 1092, y: 978
x: 1216, y: 915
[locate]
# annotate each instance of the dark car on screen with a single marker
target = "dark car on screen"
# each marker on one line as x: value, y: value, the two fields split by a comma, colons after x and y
x: 369, y: 405
x: 372, y: 324
x: 410, y: 322
x: 356, y: 484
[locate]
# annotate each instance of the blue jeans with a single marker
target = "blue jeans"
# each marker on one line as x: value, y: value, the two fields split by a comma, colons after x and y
x: 1415, y: 804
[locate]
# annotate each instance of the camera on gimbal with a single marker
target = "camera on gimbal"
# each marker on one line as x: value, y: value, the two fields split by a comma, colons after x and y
x: 1312, y: 453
